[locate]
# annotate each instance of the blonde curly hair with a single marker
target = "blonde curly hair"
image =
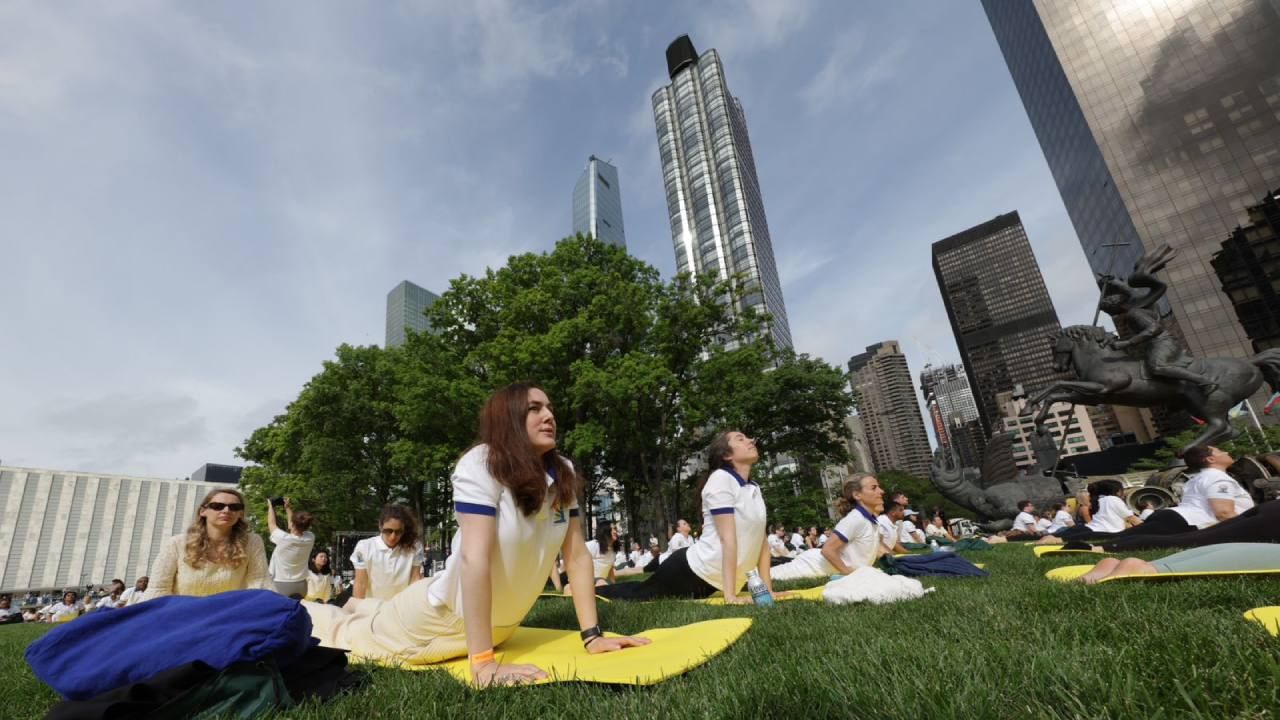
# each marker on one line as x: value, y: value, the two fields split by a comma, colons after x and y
x: 200, y: 551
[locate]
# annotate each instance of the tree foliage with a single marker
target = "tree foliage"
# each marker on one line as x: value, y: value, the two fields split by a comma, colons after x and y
x: 1249, y: 441
x: 640, y: 372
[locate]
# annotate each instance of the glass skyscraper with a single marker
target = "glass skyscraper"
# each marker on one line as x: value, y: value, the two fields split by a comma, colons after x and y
x: 405, y: 304
x: 713, y: 194
x: 597, y: 203
x: 1000, y: 311
x: 1160, y: 121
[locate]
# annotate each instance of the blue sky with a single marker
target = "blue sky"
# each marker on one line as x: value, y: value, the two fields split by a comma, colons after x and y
x: 199, y: 202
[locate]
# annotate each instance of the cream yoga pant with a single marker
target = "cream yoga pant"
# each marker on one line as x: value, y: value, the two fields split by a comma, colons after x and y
x: 406, y: 628
x: 808, y: 564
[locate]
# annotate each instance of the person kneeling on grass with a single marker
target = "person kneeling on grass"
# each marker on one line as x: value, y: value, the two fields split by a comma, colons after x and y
x: 855, y: 543
x: 1227, y: 557
x: 515, y: 501
x: 733, y: 529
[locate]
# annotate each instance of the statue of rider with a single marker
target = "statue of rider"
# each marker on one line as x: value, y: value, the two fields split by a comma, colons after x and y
x: 1130, y: 306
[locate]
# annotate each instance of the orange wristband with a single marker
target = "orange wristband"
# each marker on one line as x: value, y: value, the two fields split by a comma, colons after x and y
x: 481, y: 658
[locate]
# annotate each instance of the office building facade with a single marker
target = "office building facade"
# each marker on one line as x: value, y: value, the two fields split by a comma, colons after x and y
x: 1063, y: 419
x: 886, y: 402
x: 1000, y: 312
x: 1160, y: 121
x: 405, y: 305
x: 597, y: 203
x: 713, y: 193
x: 953, y: 411
x: 1248, y: 269
x: 70, y: 529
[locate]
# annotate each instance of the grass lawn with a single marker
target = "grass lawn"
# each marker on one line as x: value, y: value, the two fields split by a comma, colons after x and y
x: 1010, y: 646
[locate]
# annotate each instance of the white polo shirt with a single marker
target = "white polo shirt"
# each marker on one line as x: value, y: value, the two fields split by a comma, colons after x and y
x: 1061, y: 519
x: 888, y: 531
x: 601, y: 562
x: 132, y: 596
x: 797, y: 542
x: 777, y: 546
x: 389, y: 568
x: 1210, y: 484
x: 638, y: 558
x: 861, y: 534
x: 526, y: 546
x: 1043, y: 525
x: 1024, y: 522
x: 726, y: 493
x: 289, y: 559
x: 907, y: 532
x: 1110, y: 516
x: 106, y: 603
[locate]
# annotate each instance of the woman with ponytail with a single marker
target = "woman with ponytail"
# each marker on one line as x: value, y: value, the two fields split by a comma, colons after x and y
x: 733, y: 530
x: 516, y: 502
x: 855, y: 542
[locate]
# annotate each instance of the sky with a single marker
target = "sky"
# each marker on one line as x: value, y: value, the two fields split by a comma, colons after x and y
x: 200, y: 201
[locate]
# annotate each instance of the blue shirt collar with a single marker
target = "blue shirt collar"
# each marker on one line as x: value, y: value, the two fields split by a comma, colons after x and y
x: 865, y: 512
x: 741, y: 482
x: 552, y: 464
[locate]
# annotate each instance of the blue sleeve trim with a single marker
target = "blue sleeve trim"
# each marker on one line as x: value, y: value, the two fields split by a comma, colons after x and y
x: 722, y: 511
x: 840, y: 535
x: 475, y: 509
x: 574, y: 512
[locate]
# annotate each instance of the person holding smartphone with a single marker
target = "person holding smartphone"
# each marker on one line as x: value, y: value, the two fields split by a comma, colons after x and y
x: 288, y: 566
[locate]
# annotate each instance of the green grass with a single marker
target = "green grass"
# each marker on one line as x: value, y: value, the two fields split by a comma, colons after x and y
x: 1010, y: 646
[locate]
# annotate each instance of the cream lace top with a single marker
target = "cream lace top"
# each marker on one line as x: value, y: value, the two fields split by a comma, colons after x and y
x: 171, y: 575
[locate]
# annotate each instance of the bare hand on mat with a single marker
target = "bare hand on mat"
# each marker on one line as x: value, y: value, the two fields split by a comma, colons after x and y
x: 738, y: 600
x: 491, y: 673
x: 604, y: 644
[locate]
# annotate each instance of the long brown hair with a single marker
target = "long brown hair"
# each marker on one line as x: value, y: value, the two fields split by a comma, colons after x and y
x: 512, y: 459
x: 851, y: 487
x: 716, y: 453
x: 198, y: 547
x: 409, y: 525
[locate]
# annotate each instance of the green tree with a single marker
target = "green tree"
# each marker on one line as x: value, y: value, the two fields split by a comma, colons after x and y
x: 1248, y: 441
x: 923, y: 495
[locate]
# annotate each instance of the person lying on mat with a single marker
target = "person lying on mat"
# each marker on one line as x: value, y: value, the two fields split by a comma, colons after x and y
x: 1227, y: 557
x: 515, y: 501
x: 855, y: 542
x: 1109, y: 511
x: 733, y: 530
x: 1259, y: 524
x: 1210, y: 496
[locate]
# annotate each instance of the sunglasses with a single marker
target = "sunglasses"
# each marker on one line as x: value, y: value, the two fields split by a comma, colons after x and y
x: 392, y: 531
x: 219, y: 507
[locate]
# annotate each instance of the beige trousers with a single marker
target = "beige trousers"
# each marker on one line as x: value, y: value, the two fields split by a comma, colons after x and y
x: 407, y: 628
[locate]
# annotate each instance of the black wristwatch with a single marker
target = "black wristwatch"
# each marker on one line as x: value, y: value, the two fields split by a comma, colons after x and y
x: 590, y: 634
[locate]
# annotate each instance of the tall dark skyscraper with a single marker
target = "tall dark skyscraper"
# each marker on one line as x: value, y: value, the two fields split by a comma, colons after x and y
x: 1160, y: 121
x: 713, y: 193
x: 999, y: 310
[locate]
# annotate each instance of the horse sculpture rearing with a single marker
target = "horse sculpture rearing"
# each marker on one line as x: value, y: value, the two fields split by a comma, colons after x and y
x: 1108, y: 376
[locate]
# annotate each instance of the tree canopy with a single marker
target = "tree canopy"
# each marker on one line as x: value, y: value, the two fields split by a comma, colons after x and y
x: 640, y: 370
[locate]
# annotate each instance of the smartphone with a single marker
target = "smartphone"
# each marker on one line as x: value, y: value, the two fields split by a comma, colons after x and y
x: 277, y: 502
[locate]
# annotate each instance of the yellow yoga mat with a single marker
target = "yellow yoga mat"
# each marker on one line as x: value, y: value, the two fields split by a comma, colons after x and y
x: 559, y: 653
x: 1268, y: 617
x: 1042, y: 550
x: 813, y: 593
x: 1073, y: 572
x: 569, y: 597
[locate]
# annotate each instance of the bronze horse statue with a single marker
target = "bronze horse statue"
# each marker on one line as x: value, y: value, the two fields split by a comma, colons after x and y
x: 1111, y: 376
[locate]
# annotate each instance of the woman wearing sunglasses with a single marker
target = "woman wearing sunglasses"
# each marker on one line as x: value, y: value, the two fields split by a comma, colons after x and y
x: 391, y: 560
x: 217, y: 553
x: 515, y: 500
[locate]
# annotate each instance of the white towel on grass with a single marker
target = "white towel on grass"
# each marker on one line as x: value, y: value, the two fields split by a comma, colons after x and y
x: 868, y: 584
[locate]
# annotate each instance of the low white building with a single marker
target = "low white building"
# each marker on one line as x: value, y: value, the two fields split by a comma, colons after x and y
x: 69, y: 529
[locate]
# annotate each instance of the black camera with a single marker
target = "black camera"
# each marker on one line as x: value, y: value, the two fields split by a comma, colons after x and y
x: 277, y: 502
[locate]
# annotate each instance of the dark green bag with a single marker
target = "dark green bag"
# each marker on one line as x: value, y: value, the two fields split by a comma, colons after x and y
x: 243, y: 690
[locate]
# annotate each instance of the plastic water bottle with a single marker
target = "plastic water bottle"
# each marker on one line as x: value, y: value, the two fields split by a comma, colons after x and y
x: 759, y: 593
x: 933, y: 546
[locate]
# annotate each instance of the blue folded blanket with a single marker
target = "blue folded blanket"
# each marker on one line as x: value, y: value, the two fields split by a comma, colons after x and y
x: 938, y: 564
x: 105, y: 650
